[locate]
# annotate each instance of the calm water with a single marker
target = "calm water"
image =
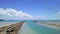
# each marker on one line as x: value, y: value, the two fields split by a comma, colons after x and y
x: 30, y: 27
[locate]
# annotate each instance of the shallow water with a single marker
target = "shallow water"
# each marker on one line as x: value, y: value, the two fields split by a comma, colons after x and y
x: 6, y: 23
x: 30, y: 27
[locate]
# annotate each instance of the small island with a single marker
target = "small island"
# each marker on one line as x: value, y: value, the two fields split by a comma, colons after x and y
x: 2, y: 20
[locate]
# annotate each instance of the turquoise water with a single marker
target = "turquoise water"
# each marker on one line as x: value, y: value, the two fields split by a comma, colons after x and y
x: 30, y: 27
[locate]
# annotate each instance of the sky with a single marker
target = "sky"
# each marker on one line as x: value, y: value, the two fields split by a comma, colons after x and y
x: 30, y: 9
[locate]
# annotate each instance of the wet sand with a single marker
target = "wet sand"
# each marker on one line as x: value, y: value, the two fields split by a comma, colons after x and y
x: 56, y: 25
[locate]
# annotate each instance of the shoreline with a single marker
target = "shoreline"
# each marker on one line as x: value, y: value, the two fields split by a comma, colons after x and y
x: 12, y: 27
x: 7, y: 23
x: 48, y: 24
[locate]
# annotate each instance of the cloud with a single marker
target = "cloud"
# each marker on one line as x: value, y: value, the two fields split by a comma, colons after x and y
x: 13, y: 14
x: 41, y: 18
x: 58, y: 12
x: 55, y: 16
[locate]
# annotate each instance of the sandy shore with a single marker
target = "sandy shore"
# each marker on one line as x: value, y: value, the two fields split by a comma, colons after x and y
x: 11, y: 29
x: 55, y: 25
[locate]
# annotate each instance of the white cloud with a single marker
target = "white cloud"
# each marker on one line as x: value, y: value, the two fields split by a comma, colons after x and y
x: 10, y: 13
x: 14, y: 14
x: 58, y: 12
x: 55, y: 16
x: 41, y: 18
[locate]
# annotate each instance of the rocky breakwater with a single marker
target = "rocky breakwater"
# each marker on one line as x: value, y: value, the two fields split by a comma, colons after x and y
x: 11, y: 29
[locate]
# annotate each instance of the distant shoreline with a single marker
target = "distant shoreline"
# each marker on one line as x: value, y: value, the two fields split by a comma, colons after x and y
x: 54, y: 25
x: 2, y: 20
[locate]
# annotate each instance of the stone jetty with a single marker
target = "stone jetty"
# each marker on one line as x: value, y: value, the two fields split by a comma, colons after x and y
x: 11, y: 29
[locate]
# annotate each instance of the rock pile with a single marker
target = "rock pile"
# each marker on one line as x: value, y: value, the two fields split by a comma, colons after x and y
x: 11, y: 29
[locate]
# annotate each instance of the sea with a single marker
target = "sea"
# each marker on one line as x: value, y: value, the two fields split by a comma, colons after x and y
x: 30, y: 27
